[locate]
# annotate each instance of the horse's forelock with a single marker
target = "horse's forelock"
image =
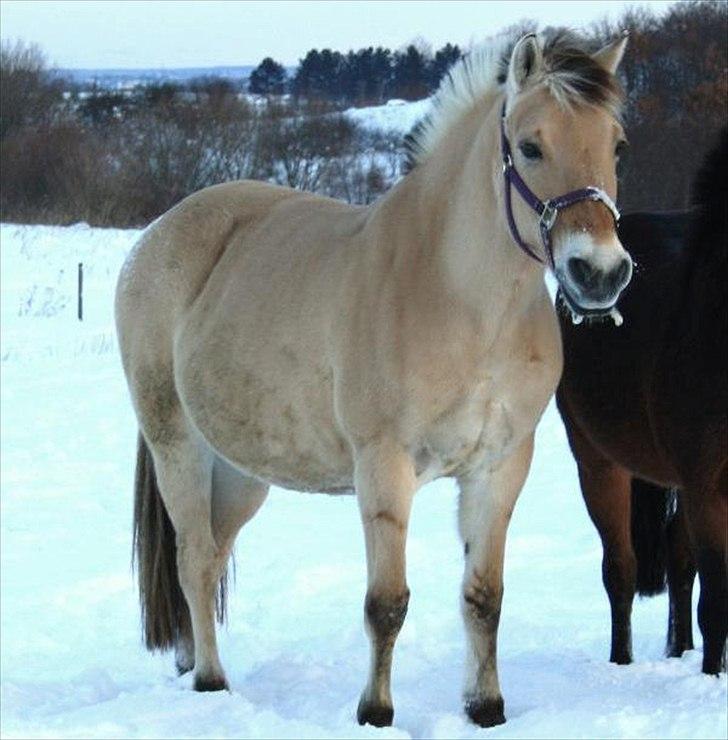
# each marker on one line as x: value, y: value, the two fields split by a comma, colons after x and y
x: 575, y: 77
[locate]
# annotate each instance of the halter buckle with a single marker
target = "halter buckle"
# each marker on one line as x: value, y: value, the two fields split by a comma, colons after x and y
x: 548, y: 216
x: 507, y: 163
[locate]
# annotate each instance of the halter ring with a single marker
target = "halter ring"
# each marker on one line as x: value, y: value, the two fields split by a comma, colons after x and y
x: 548, y: 216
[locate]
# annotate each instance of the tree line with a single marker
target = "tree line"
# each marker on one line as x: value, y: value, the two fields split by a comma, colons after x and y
x: 367, y: 76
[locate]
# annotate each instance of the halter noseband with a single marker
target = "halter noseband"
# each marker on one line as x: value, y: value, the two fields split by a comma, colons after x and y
x: 547, y: 211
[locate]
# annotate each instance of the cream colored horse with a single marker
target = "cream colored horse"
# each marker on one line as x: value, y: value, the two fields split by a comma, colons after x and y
x: 276, y: 337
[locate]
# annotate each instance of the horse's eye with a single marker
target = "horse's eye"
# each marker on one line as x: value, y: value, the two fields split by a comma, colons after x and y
x: 530, y: 150
x: 621, y: 148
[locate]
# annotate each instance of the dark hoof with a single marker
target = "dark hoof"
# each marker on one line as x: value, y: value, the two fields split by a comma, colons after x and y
x: 183, y: 668
x: 485, y: 712
x: 714, y: 659
x: 713, y: 667
x: 210, y: 683
x: 676, y: 651
x: 374, y: 714
x: 620, y: 658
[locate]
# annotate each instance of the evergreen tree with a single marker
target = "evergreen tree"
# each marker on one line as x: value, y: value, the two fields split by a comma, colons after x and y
x: 410, y: 74
x: 320, y: 76
x: 443, y: 60
x: 380, y: 75
x: 268, y: 78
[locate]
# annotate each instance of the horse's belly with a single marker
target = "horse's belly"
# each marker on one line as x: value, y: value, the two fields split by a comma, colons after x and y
x: 284, y: 434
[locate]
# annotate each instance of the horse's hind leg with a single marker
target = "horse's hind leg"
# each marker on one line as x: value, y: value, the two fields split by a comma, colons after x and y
x: 680, y: 578
x: 184, y: 468
x: 235, y: 500
x: 385, y: 484
x: 707, y: 513
x: 486, y: 504
x: 606, y: 488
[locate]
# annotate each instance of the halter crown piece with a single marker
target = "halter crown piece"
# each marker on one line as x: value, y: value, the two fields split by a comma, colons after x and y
x: 548, y: 211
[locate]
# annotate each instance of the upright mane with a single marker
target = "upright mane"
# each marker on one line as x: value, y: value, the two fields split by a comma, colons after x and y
x: 571, y: 74
x: 710, y: 198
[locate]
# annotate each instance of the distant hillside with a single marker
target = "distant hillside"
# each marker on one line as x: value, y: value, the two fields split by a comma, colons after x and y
x: 120, y: 79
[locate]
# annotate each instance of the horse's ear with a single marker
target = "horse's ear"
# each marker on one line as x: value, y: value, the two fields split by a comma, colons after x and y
x: 525, y: 64
x: 610, y: 56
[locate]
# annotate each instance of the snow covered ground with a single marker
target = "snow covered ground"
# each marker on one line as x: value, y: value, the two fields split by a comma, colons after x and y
x: 72, y: 662
x: 397, y: 115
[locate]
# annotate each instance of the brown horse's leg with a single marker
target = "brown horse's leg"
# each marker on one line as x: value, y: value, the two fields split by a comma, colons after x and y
x: 606, y: 488
x: 707, y: 513
x: 680, y: 578
x: 486, y: 504
x: 385, y: 484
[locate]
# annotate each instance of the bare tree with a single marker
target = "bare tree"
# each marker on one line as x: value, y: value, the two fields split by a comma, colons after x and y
x: 28, y: 91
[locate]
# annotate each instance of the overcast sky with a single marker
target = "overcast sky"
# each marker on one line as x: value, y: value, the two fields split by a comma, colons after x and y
x: 196, y: 33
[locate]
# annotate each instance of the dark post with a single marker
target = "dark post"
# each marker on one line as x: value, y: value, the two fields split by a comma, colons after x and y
x: 80, y: 291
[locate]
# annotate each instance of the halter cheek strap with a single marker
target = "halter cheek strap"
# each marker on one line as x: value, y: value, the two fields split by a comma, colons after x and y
x: 547, y: 211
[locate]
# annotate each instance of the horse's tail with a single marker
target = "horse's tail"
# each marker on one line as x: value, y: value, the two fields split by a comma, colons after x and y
x: 165, y: 613
x: 652, y: 509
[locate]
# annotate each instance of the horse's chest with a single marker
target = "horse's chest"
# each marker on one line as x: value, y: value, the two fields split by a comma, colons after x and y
x: 485, y: 424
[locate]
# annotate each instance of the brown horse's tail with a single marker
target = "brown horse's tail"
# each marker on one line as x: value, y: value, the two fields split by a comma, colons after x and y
x: 652, y: 509
x: 164, y: 609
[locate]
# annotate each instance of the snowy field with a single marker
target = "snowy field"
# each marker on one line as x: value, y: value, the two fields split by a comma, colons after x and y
x: 295, y: 651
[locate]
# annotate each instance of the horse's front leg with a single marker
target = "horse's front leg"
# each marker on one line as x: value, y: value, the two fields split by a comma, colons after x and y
x: 486, y: 504
x: 385, y: 483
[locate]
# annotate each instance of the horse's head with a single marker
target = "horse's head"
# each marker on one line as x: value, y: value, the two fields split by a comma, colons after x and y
x: 561, y: 139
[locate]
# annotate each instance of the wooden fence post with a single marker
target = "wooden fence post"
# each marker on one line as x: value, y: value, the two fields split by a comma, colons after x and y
x: 80, y: 291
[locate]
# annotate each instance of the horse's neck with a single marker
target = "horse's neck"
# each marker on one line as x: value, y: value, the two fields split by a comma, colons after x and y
x: 703, y: 312
x: 456, y: 196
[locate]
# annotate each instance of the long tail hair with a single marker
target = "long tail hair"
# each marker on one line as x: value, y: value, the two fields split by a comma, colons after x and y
x: 165, y: 614
x: 652, y: 509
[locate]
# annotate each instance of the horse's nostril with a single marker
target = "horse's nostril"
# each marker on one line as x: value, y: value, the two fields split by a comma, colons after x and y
x: 623, y: 272
x: 617, y: 278
x: 582, y: 272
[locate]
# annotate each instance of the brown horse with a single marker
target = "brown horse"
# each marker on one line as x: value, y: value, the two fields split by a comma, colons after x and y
x: 276, y: 337
x: 650, y: 399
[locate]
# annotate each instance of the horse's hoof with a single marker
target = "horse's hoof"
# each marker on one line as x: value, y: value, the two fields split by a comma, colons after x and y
x: 713, y: 667
x: 211, y: 683
x: 183, y: 666
x: 714, y: 661
x: 620, y: 658
x: 184, y: 659
x: 676, y: 650
x: 378, y: 715
x: 486, y: 712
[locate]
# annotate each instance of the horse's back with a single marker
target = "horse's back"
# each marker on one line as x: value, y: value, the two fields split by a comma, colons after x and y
x: 175, y: 256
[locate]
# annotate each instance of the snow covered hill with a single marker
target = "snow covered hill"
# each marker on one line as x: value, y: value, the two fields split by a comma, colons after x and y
x: 72, y: 661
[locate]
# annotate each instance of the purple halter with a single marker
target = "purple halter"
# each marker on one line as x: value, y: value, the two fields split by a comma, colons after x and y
x: 548, y: 211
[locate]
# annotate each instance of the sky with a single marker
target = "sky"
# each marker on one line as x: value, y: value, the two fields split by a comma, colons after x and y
x: 195, y: 33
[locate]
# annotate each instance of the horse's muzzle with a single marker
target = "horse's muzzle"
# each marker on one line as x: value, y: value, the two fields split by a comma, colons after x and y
x: 598, y: 288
